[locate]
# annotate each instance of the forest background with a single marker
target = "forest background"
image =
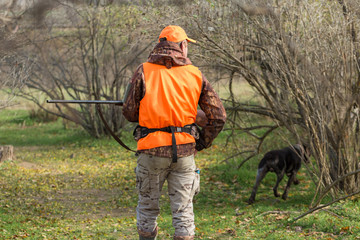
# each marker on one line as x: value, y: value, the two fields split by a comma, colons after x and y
x: 287, y: 72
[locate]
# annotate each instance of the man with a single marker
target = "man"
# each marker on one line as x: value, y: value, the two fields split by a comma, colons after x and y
x: 163, y: 96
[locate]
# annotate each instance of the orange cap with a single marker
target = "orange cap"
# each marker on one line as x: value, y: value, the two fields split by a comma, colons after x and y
x: 174, y: 34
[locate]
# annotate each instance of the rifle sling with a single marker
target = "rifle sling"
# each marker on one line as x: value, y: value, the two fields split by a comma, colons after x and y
x: 110, y: 131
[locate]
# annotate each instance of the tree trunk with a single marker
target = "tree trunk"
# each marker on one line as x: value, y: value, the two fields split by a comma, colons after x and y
x: 6, y: 153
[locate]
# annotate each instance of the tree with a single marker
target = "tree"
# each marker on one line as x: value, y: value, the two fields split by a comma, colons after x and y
x: 13, y: 69
x: 302, y: 58
x: 84, y: 50
x: 92, y: 59
x: 17, y: 19
x: 13, y: 75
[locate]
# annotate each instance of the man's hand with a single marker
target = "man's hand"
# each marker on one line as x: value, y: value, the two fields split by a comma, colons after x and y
x: 201, y: 119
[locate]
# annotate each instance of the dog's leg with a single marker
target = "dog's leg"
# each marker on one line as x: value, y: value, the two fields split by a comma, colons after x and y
x: 296, y: 181
x: 280, y: 175
x: 292, y: 178
x: 260, y: 175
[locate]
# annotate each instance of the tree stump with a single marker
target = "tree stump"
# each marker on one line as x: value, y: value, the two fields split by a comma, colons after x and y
x: 6, y: 153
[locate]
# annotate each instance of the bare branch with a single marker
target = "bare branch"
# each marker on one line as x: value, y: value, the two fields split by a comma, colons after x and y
x: 324, y: 205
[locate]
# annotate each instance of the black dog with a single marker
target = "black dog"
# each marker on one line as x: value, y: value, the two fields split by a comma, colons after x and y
x: 285, y: 161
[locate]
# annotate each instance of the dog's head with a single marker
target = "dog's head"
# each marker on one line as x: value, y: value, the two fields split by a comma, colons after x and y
x: 304, y: 152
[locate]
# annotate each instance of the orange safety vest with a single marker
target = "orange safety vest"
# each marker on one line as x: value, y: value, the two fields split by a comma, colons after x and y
x: 171, y: 99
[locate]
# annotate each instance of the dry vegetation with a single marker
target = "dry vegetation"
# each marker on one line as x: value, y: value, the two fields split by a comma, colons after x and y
x: 300, y: 57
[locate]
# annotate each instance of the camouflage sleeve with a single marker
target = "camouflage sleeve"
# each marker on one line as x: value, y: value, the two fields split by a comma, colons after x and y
x: 134, y: 93
x: 214, y: 110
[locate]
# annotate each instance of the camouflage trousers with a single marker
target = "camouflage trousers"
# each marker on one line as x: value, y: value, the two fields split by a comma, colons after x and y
x: 183, y: 183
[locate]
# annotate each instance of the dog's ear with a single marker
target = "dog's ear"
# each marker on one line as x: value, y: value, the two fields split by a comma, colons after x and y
x: 298, y: 148
x: 303, y: 151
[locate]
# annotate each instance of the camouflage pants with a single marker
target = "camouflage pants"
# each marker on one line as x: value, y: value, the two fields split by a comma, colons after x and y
x: 183, y: 184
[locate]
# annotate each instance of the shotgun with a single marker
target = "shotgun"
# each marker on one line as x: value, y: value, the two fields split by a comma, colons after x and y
x: 120, y: 103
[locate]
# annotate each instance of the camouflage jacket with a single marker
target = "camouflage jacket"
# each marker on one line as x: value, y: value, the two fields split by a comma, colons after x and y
x: 170, y: 54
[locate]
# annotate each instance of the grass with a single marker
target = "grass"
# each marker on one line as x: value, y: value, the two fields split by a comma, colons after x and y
x: 65, y: 185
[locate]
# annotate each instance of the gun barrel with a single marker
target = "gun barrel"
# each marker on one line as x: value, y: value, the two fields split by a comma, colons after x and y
x: 87, y: 101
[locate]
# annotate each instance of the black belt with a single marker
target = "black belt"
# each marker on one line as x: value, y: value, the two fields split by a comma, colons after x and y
x: 171, y: 129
